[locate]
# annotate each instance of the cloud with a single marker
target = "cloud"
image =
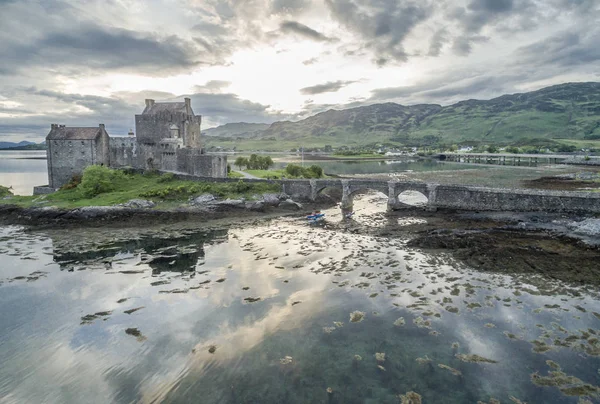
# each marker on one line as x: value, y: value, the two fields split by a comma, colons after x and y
x: 310, y: 61
x: 463, y: 45
x: 289, y: 6
x: 97, y: 47
x: 303, y: 30
x: 564, y: 50
x: 438, y: 40
x: 212, y: 86
x: 382, y: 25
x: 479, y: 13
x: 329, y: 87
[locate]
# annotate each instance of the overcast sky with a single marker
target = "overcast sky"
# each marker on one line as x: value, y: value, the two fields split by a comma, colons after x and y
x: 83, y: 63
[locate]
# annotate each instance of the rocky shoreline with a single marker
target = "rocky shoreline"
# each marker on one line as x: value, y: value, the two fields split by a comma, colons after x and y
x: 201, y: 208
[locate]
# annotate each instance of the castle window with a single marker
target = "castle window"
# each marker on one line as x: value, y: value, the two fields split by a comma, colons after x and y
x: 82, y: 142
x: 70, y: 144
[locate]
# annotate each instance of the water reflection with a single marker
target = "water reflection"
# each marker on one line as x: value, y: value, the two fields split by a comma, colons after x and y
x: 261, y: 313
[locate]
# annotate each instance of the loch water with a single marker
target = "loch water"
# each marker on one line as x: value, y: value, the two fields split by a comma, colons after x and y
x: 278, y: 311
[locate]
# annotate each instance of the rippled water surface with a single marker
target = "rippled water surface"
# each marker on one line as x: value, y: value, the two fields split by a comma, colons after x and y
x: 261, y: 312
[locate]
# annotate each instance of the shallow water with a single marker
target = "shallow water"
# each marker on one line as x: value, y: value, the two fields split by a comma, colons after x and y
x: 342, y: 167
x: 23, y: 170
x: 260, y: 312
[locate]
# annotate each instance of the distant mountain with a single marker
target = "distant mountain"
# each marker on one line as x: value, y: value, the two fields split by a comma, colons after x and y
x: 30, y: 146
x: 7, y: 145
x: 570, y: 111
x: 241, y: 129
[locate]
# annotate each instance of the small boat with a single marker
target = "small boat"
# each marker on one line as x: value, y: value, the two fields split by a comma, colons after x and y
x: 315, y: 217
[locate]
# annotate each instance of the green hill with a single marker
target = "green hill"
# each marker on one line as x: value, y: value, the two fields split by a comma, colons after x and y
x: 567, y: 111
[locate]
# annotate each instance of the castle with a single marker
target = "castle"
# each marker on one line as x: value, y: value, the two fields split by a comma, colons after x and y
x: 167, y: 139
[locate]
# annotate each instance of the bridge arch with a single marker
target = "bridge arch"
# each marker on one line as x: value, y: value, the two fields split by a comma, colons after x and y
x: 412, y: 198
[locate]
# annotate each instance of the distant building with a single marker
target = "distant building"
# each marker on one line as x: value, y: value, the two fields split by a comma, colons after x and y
x: 168, y: 139
x: 70, y: 150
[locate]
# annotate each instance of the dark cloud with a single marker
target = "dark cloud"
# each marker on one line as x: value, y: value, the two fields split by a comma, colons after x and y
x: 97, y: 47
x: 218, y: 109
x: 303, y: 30
x: 479, y: 13
x: 463, y: 44
x: 439, y: 38
x: 329, y: 87
x: 452, y: 86
x: 566, y: 50
x: 381, y: 25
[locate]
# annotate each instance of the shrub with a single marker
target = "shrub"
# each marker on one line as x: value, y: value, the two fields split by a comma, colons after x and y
x: 296, y: 171
x: 293, y: 170
x: 4, y: 191
x: 315, y: 171
x: 241, y: 187
x: 73, y: 183
x: 167, y: 177
x: 97, y: 180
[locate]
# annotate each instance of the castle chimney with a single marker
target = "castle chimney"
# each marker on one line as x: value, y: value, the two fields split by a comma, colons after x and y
x: 188, y: 105
x: 101, y: 126
x: 149, y: 103
x: 53, y: 126
x: 130, y: 133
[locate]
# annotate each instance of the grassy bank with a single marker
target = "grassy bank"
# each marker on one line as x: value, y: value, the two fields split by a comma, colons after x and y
x: 4, y: 191
x: 101, y: 186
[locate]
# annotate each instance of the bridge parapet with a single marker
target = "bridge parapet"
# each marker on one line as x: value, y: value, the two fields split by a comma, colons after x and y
x: 440, y: 196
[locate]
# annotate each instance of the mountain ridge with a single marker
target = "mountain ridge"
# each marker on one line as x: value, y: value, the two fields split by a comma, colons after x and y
x: 569, y: 110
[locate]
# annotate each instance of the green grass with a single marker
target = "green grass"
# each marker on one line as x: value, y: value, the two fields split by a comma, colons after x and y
x: 582, y: 144
x: 274, y: 174
x: 357, y: 156
x: 233, y: 174
x: 171, y: 192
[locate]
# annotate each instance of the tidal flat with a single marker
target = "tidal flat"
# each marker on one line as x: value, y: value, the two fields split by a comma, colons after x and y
x: 383, y: 308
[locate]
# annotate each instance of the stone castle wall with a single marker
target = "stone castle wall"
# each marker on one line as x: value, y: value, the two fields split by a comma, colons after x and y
x: 194, y: 162
x: 123, y: 152
x: 69, y: 157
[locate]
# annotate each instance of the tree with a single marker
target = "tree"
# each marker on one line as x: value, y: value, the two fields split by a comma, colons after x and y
x: 314, y: 171
x: 492, y: 149
x: 253, y: 162
x: 267, y: 162
x: 241, y: 162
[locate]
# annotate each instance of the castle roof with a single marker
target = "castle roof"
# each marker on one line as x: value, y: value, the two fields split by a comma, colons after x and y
x: 159, y: 107
x: 61, y: 132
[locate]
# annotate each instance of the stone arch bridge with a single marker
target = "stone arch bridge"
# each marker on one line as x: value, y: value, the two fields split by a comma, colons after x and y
x: 438, y: 196
x: 451, y: 196
x: 350, y: 187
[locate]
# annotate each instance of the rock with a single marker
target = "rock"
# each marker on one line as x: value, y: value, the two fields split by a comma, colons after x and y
x: 258, y: 206
x: 231, y: 203
x: 203, y: 199
x: 289, y: 204
x: 271, y: 199
x: 588, y: 227
x: 139, y: 204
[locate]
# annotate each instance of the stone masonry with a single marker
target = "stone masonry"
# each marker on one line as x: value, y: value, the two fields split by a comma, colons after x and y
x: 71, y: 149
x: 168, y: 139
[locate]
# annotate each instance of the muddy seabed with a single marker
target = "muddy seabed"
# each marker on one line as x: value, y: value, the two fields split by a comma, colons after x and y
x: 437, y: 307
